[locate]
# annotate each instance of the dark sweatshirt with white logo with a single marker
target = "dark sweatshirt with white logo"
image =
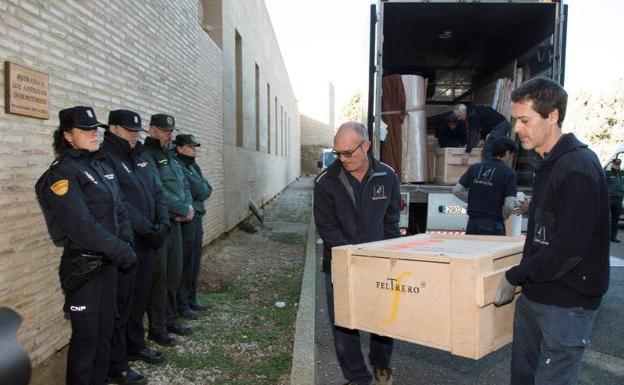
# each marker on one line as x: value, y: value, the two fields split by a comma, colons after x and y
x: 565, y: 261
x: 346, y: 215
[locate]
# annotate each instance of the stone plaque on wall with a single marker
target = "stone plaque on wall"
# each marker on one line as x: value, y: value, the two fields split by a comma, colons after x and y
x: 26, y: 91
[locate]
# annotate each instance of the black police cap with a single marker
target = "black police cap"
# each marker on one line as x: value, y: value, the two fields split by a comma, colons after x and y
x: 614, y: 161
x: 80, y: 117
x: 185, y: 139
x: 163, y: 121
x: 127, y: 119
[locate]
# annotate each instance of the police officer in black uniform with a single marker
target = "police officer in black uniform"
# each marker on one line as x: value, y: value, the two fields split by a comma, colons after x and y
x: 148, y: 216
x: 489, y: 187
x: 85, y: 214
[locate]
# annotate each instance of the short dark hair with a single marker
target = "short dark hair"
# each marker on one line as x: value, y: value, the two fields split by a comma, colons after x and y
x: 546, y: 95
x: 503, y: 144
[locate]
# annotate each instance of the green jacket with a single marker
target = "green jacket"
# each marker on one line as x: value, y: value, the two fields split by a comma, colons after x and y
x: 200, y: 188
x: 168, y: 169
x: 615, y: 183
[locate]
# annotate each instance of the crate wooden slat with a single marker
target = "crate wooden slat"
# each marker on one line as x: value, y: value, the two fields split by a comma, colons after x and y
x: 448, y: 163
x: 431, y: 289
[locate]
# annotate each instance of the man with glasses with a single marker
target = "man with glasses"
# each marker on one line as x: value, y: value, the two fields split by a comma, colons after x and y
x: 356, y: 200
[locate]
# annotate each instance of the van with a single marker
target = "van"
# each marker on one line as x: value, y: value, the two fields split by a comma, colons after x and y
x: 327, y: 158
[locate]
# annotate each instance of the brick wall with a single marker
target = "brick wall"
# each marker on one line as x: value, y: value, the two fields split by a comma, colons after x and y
x: 149, y: 56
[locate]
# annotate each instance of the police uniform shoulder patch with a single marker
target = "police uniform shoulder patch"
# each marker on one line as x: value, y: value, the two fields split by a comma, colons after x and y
x: 60, y: 187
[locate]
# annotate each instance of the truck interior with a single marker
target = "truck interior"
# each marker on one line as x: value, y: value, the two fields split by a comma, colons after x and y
x: 463, y: 48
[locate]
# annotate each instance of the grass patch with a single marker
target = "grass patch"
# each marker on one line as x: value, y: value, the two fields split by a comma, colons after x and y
x: 288, y: 238
x: 242, y: 336
x: 247, y: 227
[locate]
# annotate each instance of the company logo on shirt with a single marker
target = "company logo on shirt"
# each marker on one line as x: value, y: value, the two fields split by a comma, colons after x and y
x: 109, y: 176
x: 379, y: 192
x: 77, y: 308
x: 142, y: 164
x: 540, y: 235
x: 486, y: 173
x: 91, y: 178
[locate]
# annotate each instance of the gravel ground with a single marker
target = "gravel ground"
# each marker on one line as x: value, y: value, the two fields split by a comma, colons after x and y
x: 244, y: 338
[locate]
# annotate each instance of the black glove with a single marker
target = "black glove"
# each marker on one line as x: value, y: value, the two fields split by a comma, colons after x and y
x: 127, y: 262
x: 157, y: 238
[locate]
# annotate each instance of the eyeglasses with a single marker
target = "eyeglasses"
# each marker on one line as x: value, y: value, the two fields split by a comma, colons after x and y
x: 347, y: 154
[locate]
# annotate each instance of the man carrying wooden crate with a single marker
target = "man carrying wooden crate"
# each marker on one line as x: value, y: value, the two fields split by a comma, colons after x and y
x: 564, y: 271
x: 356, y: 200
x: 489, y: 187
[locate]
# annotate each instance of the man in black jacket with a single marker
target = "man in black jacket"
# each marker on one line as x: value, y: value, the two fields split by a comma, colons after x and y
x: 356, y: 200
x: 451, y: 132
x: 481, y: 122
x: 564, y: 271
x: 489, y: 188
x: 149, y: 219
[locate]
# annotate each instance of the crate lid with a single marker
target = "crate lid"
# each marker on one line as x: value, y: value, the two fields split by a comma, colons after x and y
x: 441, y: 247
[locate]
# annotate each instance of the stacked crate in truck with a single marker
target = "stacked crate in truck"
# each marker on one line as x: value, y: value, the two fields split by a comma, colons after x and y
x: 468, y: 52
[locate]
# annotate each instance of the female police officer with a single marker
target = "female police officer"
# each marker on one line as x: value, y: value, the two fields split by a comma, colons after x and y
x: 84, y: 213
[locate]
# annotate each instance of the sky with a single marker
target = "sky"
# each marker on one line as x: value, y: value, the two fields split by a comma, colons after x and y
x: 325, y: 41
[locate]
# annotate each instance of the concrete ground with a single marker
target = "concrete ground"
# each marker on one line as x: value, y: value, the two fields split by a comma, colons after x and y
x: 603, y: 363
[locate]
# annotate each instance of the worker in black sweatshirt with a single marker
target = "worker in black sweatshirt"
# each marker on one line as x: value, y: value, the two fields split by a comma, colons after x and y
x: 564, y: 271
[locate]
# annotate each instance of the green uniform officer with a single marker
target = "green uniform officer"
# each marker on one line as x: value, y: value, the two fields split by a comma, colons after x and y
x: 162, y: 311
x: 192, y: 232
x: 615, y: 186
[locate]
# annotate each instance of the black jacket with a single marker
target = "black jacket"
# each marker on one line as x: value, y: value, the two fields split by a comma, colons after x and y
x: 481, y: 120
x: 338, y: 220
x: 83, y: 206
x: 565, y: 261
x: 448, y: 137
x: 143, y: 196
x: 489, y: 182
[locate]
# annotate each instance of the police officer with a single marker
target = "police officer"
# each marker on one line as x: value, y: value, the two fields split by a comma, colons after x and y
x: 356, y: 200
x: 192, y: 232
x: 489, y: 187
x: 615, y: 186
x: 162, y: 311
x: 84, y: 212
x: 148, y: 216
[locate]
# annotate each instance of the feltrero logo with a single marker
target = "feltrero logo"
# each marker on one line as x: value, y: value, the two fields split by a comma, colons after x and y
x: 398, y: 288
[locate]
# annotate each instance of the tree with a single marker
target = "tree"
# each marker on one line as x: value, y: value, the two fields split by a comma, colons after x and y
x: 353, y: 110
x: 596, y: 118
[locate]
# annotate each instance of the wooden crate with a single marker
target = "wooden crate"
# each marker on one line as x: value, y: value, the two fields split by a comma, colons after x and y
x: 448, y: 164
x: 431, y: 289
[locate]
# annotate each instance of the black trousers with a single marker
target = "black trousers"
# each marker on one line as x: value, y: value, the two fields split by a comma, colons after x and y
x: 192, y: 236
x: 162, y: 310
x: 484, y: 226
x: 615, y: 204
x: 349, y: 350
x: 125, y: 292
x: 92, y: 313
x: 135, y: 332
